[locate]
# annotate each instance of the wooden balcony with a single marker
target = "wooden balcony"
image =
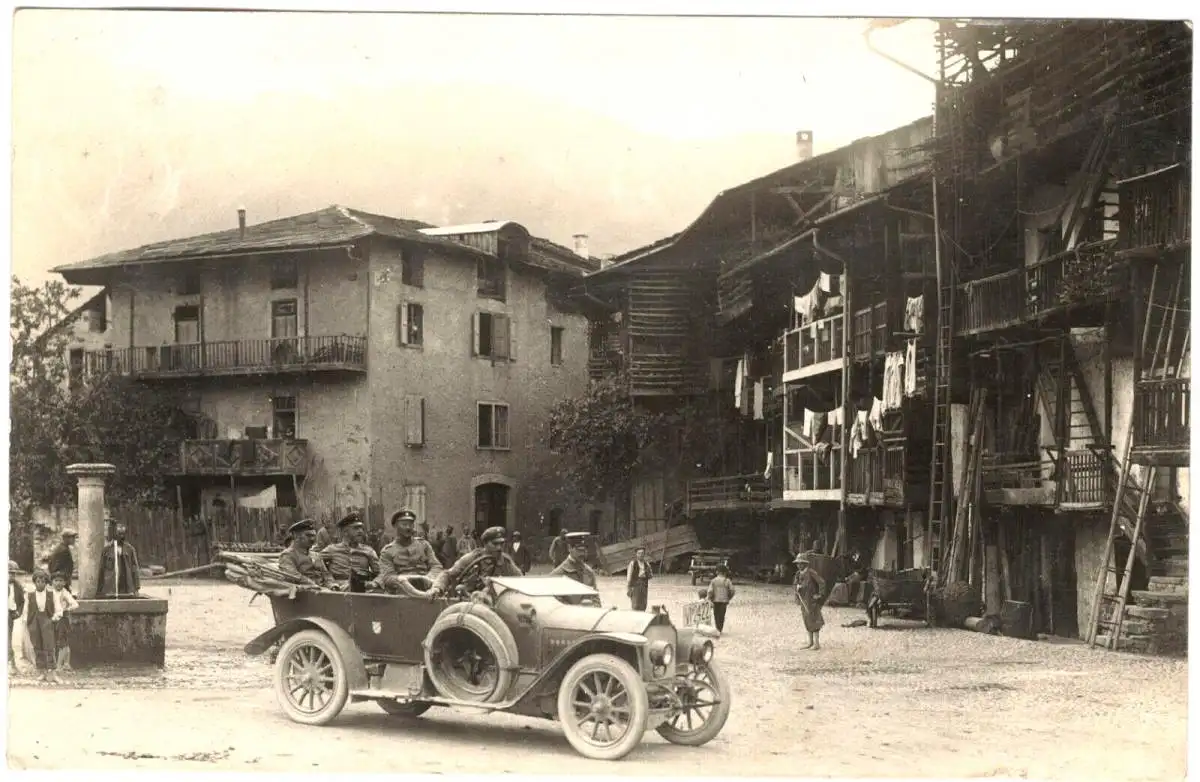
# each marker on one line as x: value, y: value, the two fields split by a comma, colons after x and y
x: 1015, y: 479
x: 733, y: 492
x: 813, y: 349
x: 1156, y: 210
x: 1033, y: 292
x: 234, y: 357
x: 873, y: 327
x: 877, y: 476
x: 1162, y: 431
x: 810, y: 475
x: 243, y: 457
x: 1082, y: 483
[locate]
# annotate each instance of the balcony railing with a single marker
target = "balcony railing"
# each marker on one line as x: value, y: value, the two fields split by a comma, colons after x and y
x: 1016, y: 479
x: 1083, y: 482
x: 728, y: 493
x: 1161, y: 414
x: 812, y: 348
x: 1156, y: 209
x: 243, y: 457
x: 1050, y: 285
x: 809, y: 474
x: 872, y: 328
x: 234, y: 357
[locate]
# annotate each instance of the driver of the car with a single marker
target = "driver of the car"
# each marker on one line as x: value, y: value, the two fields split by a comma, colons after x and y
x: 484, y: 562
x: 406, y: 555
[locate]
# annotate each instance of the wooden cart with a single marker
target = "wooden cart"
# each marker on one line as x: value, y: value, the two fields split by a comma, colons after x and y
x: 902, y: 590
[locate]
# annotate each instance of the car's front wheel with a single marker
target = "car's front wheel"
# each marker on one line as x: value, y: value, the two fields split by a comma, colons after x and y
x: 705, y: 700
x: 310, y: 678
x: 603, y: 707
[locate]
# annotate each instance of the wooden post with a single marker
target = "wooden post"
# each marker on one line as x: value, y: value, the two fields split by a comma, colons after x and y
x: 1005, y: 574
x: 847, y: 411
x: 991, y: 587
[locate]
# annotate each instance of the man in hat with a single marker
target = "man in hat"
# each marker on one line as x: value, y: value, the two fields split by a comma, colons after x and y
x: 120, y: 573
x: 297, y: 559
x: 407, y: 554
x: 351, y: 562
x: 60, y: 561
x: 473, y: 567
x: 520, y: 553
x: 325, y: 536
x: 575, y: 566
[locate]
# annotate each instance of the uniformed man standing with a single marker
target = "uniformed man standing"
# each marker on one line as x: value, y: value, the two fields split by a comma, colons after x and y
x: 485, y: 562
x: 351, y: 562
x: 575, y: 566
x: 297, y: 560
x: 407, y: 554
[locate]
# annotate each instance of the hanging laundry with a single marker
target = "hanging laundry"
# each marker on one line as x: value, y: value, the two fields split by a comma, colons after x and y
x: 759, y: 394
x: 836, y: 416
x: 910, y: 369
x: 830, y: 283
x: 914, y: 315
x: 822, y: 451
x: 876, y: 414
x: 770, y: 465
x: 739, y: 373
x: 893, y: 381
x: 858, y: 433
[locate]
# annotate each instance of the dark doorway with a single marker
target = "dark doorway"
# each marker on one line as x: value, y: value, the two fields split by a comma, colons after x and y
x: 491, y: 507
x: 1064, y: 596
x: 555, y: 521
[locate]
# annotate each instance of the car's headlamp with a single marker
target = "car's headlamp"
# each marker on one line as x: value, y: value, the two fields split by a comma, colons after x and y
x: 662, y: 653
x: 701, y: 653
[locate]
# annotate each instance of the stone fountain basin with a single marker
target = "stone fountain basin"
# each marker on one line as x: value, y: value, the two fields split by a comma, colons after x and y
x: 110, y: 631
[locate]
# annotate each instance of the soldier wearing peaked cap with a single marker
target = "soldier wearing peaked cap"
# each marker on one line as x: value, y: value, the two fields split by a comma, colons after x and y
x: 298, y: 560
x: 472, y: 568
x: 575, y: 566
x: 407, y: 555
x: 351, y: 562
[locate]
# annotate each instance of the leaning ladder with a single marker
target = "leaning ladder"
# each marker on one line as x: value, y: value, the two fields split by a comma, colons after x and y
x: 939, y: 472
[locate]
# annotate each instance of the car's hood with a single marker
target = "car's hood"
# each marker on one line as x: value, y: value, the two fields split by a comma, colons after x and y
x: 544, y: 586
x: 598, y: 620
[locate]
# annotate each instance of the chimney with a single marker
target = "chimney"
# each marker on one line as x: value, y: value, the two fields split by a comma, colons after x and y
x: 242, y: 221
x: 606, y: 261
x: 581, y: 245
x: 804, y: 141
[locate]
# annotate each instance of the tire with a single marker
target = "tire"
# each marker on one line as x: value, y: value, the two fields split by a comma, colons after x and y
x: 411, y: 710
x: 310, y: 670
x: 708, y: 686
x: 582, y: 701
x: 470, y: 654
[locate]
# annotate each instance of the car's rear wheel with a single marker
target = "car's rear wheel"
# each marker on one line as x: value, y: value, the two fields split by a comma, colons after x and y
x: 310, y: 678
x: 603, y: 707
x: 706, y: 701
x: 397, y: 709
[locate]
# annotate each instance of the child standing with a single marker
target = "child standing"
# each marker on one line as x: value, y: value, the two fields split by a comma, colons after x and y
x: 41, y: 614
x: 720, y: 592
x: 66, y: 603
x: 809, y: 590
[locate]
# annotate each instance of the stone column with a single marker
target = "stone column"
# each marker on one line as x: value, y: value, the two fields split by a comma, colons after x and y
x: 91, y: 524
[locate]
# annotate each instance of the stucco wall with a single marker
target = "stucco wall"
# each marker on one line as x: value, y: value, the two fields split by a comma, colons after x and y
x: 453, y: 381
x: 1091, y: 538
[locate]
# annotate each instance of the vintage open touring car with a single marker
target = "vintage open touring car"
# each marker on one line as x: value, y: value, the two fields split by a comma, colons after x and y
x: 522, y: 645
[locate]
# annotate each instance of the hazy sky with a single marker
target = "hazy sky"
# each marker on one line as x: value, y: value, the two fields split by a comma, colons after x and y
x: 132, y: 127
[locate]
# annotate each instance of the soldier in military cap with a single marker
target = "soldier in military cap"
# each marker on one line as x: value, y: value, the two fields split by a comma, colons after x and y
x: 297, y: 559
x: 351, y: 562
x: 407, y: 554
x: 575, y: 565
x: 473, y: 567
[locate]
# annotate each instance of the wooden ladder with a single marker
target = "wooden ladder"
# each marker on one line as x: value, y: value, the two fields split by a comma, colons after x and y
x: 940, y: 501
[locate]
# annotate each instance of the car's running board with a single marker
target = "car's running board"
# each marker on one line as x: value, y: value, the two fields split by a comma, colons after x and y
x: 436, y: 700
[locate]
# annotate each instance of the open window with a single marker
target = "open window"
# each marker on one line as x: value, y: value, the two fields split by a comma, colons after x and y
x: 493, y: 336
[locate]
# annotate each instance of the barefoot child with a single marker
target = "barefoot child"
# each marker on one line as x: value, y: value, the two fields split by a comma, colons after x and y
x: 41, y: 614
x: 809, y: 589
x: 62, y: 627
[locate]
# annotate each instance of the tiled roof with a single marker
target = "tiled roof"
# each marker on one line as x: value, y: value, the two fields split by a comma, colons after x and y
x: 554, y: 257
x: 331, y: 226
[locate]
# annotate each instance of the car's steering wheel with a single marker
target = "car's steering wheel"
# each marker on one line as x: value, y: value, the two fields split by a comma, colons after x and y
x: 472, y: 575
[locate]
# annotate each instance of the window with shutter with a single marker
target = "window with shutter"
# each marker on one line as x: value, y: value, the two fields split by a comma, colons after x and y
x: 493, y: 335
x: 414, y: 421
x: 410, y: 324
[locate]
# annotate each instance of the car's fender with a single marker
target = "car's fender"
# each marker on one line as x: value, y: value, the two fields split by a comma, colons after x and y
x: 624, y: 645
x: 356, y: 670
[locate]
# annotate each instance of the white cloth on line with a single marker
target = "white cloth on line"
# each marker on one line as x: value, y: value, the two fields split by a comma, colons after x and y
x: 893, y: 381
x: 737, y: 383
x: 876, y: 414
x: 914, y: 315
x: 759, y: 389
x: 910, y: 369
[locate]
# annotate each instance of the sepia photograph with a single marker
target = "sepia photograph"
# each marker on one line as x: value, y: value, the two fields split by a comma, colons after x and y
x: 668, y: 394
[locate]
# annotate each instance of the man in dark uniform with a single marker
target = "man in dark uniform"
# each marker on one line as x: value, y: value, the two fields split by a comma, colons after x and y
x: 60, y: 561
x: 575, y: 566
x: 520, y: 553
x: 484, y: 562
x: 297, y: 560
x: 351, y: 562
x: 407, y: 554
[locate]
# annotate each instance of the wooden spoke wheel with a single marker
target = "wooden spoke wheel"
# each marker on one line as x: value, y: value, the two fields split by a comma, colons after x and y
x: 603, y: 707
x: 310, y: 679
x: 705, y: 700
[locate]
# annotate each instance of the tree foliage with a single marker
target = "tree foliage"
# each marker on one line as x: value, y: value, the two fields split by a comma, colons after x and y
x: 603, y: 439
x: 101, y: 417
